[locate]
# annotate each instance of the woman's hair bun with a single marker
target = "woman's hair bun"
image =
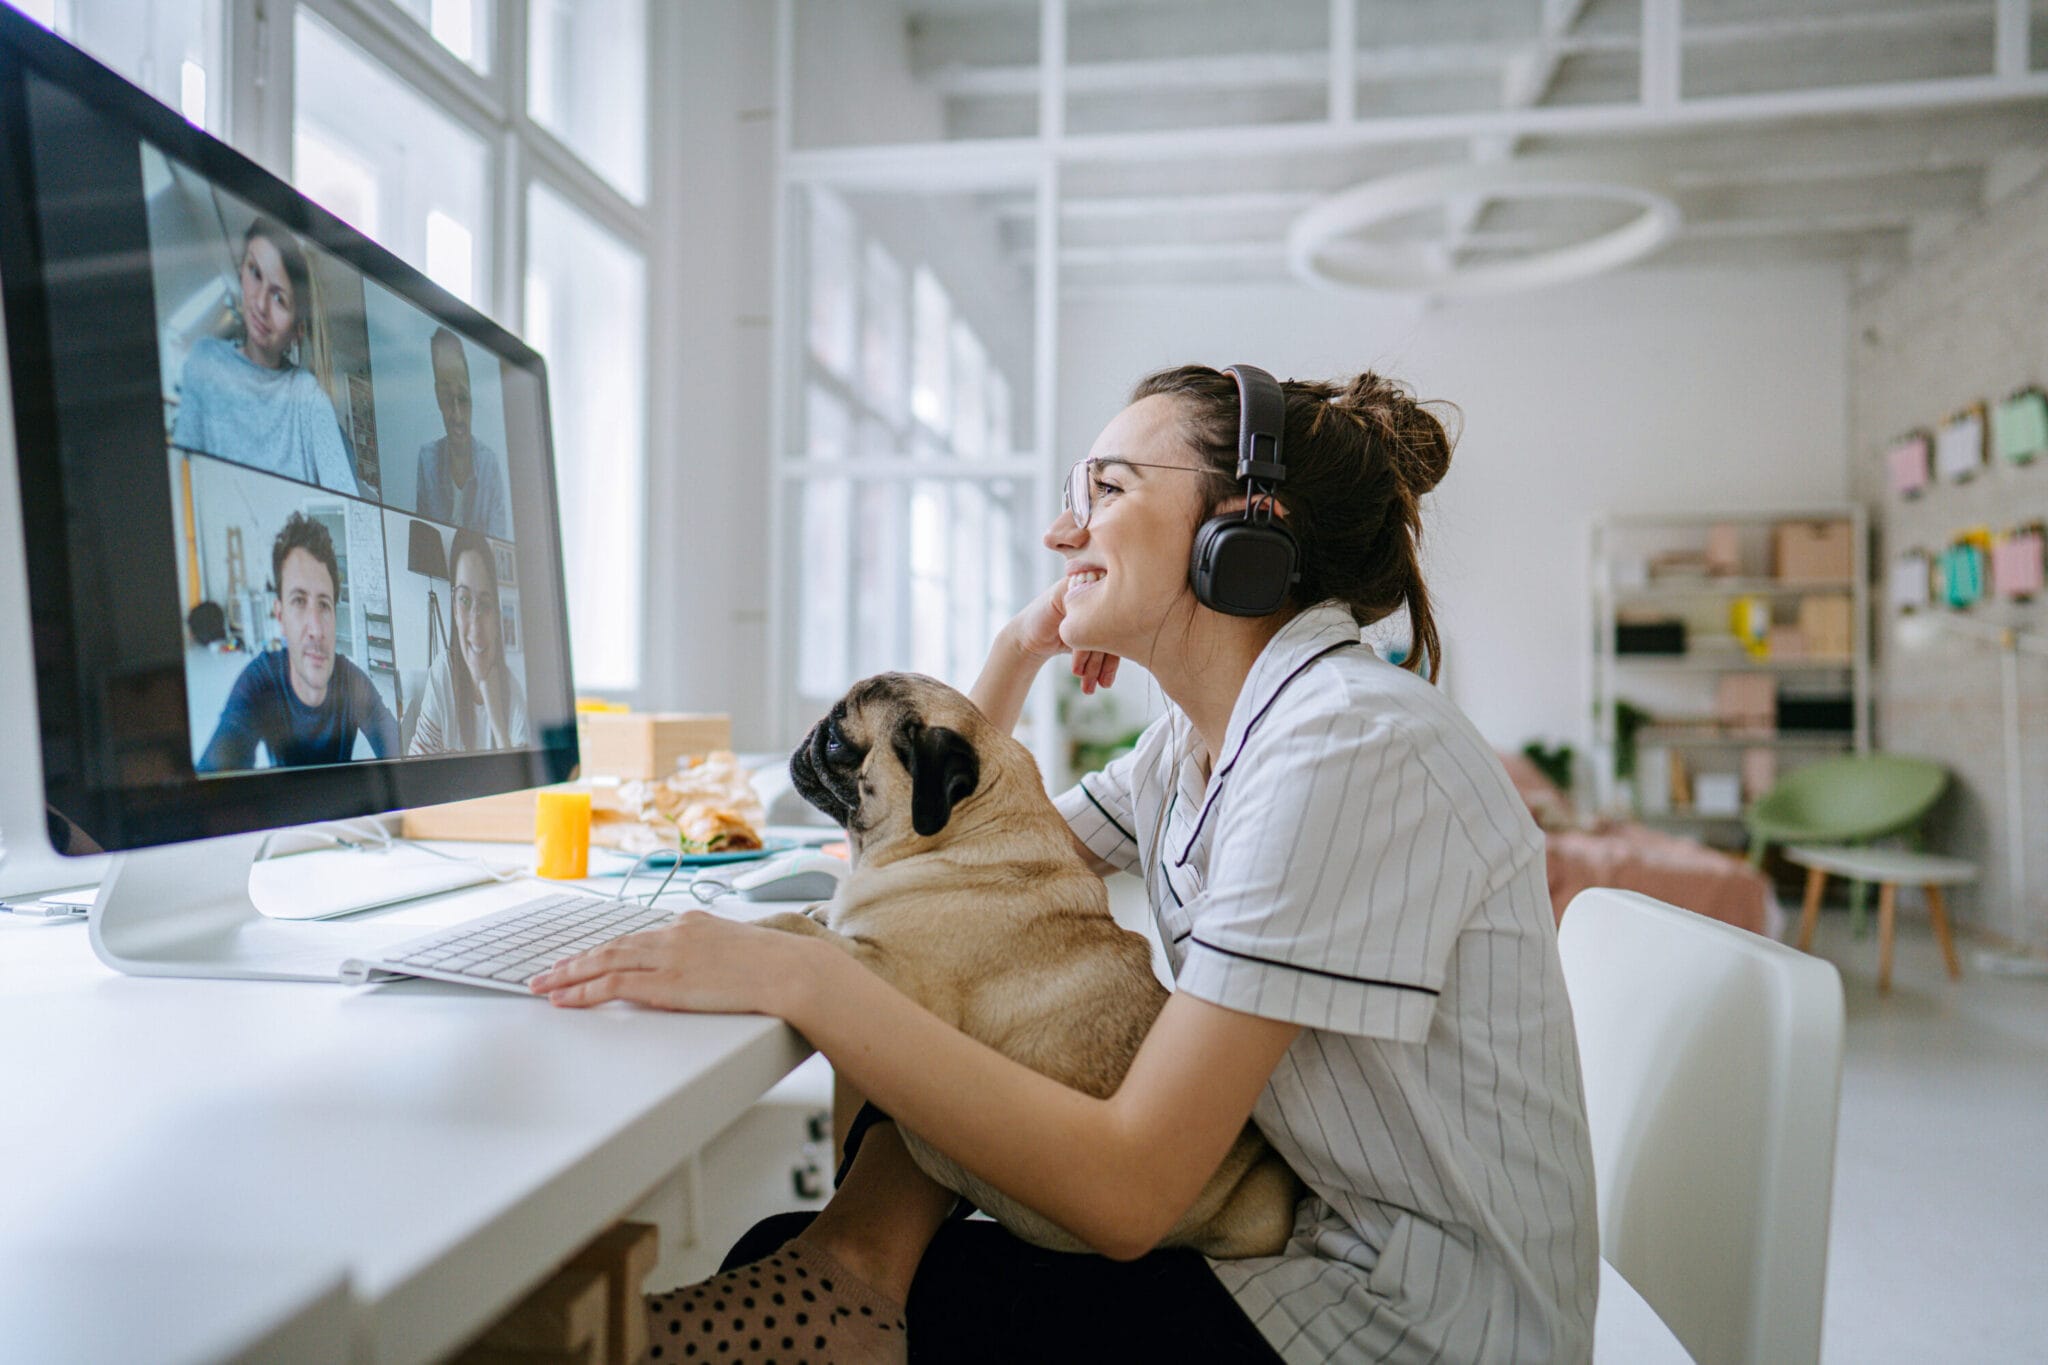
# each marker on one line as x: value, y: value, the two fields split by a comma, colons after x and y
x: 1415, y: 437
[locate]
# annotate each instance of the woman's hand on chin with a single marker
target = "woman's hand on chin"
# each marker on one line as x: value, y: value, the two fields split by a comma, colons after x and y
x: 701, y: 963
x: 1036, y: 630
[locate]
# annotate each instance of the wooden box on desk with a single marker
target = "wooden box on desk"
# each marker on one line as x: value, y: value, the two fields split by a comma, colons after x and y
x: 646, y: 744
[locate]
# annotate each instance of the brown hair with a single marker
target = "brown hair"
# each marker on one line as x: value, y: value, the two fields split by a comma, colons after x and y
x: 1359, y: 455
x: 302, y: 532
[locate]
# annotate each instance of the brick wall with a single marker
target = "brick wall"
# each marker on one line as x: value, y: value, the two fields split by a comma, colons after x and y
x: 1965, y: 322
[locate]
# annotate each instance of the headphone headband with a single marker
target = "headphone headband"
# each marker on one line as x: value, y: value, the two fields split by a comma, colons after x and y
x: 1261, y: 424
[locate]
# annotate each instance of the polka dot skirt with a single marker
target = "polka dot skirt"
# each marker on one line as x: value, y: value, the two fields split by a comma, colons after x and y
x: 797, y: 1307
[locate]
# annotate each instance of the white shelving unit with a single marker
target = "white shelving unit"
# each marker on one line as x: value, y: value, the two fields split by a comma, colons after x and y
x: 1679, y: 690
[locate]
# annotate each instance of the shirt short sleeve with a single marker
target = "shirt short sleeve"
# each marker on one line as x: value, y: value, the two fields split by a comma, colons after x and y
x: 1339, y: 879
x: 1102, y: 807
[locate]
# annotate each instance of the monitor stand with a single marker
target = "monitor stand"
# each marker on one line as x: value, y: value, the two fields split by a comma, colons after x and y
x: 184, y: 910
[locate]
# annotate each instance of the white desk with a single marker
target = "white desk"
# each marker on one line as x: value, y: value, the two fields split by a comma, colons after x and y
x: 443, y: 1146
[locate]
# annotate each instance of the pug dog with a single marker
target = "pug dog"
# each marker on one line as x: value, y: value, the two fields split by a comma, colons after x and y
x: 968, y: 895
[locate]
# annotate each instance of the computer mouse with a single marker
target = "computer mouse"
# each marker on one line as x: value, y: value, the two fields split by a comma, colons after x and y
x: 806, y: 875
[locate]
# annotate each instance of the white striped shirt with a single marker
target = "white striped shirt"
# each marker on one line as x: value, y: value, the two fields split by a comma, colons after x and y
x: 1359, y: 864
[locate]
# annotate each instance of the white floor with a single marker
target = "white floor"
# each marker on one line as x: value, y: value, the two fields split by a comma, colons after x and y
x: 1939, y: 1247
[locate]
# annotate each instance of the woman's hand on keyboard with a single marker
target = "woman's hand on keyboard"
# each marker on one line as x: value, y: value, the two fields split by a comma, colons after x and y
x: 701, y: 963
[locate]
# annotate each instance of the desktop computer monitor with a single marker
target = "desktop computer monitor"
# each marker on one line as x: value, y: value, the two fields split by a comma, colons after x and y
x: 278, y: 529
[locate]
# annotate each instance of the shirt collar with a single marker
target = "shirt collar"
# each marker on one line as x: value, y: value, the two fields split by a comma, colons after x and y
x: 1316, y: 631
x: 1310, y: 633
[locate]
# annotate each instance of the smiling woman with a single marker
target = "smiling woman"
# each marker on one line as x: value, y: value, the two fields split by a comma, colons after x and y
x: 1340, y: 874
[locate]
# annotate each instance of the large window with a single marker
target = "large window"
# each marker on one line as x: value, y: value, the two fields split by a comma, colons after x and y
x: 903, y: 501
x: 520, y: 192
x: 171, y: 48
x: 379, y: 154
x: 586, y: 310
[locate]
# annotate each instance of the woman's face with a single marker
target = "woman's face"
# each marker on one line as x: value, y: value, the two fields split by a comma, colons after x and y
x: 269, y: 308
x: 1127, y: 570
x: 476, y: 617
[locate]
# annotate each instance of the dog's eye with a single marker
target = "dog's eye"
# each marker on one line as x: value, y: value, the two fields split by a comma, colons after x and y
x: 835, y: 743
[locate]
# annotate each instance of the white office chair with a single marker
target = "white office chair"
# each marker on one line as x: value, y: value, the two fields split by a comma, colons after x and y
x: 1713, y: 1068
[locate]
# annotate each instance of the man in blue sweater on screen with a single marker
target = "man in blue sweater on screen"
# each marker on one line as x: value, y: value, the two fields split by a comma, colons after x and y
x: 304, y: 702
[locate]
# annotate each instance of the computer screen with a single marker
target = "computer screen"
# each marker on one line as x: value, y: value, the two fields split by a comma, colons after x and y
x: 289, y: 507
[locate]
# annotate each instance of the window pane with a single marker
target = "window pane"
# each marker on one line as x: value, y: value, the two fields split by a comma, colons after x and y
x: 885, y: 328
x: 171, y: 48
x: 880, y: 589
x: 931, y: 391
x: 586, y: 312
x: 827, y: 427
x: 835, y: 283
x: 970, y: 424
x: 967, y: 609
x: 376, y: 152
x: 464, y: 27
x: 822, y: 664
x: 928, y: 555
x: 1001, y: 441
x: 587, y: 84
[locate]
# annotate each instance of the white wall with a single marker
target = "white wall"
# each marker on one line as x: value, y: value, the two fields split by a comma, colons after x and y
x: 707, y: 481
x: 1646, y: 391
x: 1965, y: 323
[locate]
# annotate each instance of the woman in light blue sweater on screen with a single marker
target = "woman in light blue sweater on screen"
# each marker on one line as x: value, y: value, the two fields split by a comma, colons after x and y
x: 249, y: 402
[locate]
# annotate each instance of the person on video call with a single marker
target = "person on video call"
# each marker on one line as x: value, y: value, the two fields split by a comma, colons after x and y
x: 249, y: 402
x: 461, y: 480
x: 472, y: 700
x: 304, y: 702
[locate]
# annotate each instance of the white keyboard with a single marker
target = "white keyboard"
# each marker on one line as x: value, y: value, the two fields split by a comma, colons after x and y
x: 508, y: 948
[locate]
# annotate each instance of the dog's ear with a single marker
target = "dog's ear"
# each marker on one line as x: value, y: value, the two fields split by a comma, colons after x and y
x: 944, y: 771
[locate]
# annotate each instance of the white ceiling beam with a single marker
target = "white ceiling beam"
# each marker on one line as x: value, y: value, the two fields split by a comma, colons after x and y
x: 1431, y: 61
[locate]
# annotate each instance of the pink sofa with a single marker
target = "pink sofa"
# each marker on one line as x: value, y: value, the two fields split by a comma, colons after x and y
x: 1634, y: 857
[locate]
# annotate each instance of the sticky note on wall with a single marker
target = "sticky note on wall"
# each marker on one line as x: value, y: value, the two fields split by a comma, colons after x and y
x: 1907, y: 461
x: 2016, y: 563
x: 1959, y: 447
x: 1909, y: 582
x: 2020, y: 426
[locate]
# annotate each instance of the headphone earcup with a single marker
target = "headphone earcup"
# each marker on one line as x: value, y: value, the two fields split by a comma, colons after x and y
x: 1241, y: 568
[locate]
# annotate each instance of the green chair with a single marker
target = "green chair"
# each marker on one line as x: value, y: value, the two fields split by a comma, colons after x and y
x: 1849, y: 800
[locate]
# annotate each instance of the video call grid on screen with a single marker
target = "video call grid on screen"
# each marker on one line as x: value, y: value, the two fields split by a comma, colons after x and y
x: 350, y: 594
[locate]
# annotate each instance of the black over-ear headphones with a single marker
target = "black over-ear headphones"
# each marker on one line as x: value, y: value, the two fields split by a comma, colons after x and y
x: 1244, y: 563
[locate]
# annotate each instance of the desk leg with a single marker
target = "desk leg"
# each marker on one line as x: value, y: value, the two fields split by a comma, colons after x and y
x: 1938, y: 912
x: 1887, y: 912
x: 1816, y: 883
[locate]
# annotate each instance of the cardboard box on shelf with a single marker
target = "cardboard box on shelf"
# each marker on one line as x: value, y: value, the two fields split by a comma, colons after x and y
x: 1724, y: 550
x: 646, y: 744
x: 1746, y: 701
x: 1812, y: 551
x: 1717, y: 794
x: 1787, y: 644
x: 1825, y: 619
x: 1759, y: 772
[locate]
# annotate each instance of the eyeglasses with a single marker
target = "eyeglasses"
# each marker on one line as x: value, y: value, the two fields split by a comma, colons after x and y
x: 1079, y: 500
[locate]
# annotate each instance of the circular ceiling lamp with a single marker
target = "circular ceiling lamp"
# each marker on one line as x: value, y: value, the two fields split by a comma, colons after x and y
x: 1324, y: 246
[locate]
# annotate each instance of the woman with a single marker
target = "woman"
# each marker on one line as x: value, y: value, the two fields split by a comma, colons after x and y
x: 249, y: 402
x: 1354, y: 906
x: 472, y: 700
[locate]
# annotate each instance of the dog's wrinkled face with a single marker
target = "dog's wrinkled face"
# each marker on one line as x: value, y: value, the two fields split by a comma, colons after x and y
x: 892, y: 758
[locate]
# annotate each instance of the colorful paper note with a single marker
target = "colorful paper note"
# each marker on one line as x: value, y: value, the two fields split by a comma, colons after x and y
x: 1908, y: 464
x: 2020, y: 426
x: 1909, y: 582
x: 2016, y: 563
x: 1959, y: 448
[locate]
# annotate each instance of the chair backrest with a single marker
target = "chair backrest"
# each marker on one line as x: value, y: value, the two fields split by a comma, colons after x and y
x: 1856, y: 796
x: 1713, y: 1064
